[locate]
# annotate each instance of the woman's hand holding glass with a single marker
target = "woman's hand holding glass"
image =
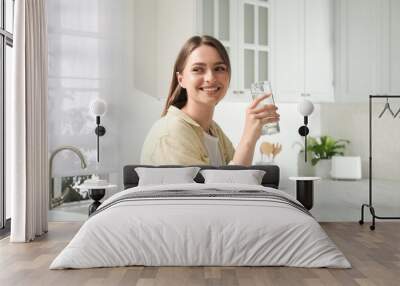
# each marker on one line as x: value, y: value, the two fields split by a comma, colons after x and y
x: 259, y: 89
x: 257, y: 115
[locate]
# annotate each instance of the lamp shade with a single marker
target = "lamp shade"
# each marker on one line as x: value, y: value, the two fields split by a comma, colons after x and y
x: 98, y: 107
x: 305, y: 107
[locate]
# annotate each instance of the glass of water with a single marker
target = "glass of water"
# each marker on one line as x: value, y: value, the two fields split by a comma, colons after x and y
x: 259, y: 89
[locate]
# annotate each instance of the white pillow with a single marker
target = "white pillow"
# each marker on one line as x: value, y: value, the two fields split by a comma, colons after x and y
x: 248, y: 177
x: 163, y: 176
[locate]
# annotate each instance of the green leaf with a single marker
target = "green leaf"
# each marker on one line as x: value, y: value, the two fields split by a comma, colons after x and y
x: 324, y: 147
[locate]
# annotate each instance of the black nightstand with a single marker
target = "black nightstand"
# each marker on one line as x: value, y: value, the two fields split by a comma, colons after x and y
x: 305, y: 190
x: 96, y: 193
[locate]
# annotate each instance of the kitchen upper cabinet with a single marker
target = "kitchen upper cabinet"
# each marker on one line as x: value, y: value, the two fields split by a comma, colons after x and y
x: 358, y: 64
x: 292, y: 43
x: 288, y: 42
x: 253, y: 44
x: 302, y: 49
x: 288, y: 49
x: 243, y: 26
x: 368, y: 45
x: 319, y: 50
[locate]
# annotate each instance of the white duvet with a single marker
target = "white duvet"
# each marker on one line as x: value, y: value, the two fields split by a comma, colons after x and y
x: 200, y: 231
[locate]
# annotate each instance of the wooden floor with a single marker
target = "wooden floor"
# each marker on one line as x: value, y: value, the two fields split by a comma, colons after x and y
x: 374, y: 255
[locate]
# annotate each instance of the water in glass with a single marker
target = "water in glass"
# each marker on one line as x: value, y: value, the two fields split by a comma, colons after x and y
x: 259, y: 89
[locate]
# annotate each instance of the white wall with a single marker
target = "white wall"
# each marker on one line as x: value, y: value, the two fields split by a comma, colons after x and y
x: 138, y: 113
x: 176, y: 23
x: 145, y: 50
x: 160, y: 29
x: 121, y: 51
x: 231, y: 116
x: 350, y: 121
x: 90, y: 56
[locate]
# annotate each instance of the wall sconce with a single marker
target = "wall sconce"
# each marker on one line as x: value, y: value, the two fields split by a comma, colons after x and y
x: 305, y: 108
x: 98, y: 107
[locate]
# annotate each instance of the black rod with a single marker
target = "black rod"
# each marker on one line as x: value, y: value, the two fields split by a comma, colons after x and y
x: 97, y: 133
x: 98, y: 146
x: 305, y: 137
x: 305, y: 148
x: 384, y: 96
x: 370, y: 150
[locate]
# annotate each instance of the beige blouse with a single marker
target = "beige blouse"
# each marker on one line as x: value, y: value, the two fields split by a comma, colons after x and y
x: 176, y: 139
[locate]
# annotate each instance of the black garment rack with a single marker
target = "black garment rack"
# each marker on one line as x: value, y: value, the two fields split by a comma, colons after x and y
x: 369, y: 205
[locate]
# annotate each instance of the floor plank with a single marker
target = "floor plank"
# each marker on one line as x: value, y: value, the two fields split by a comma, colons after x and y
x: 375, y: 257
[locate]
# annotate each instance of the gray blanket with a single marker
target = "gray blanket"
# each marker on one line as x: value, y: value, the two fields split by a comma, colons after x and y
x: 207, y: 193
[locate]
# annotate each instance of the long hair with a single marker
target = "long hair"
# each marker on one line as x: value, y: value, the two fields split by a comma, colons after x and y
x: 177, y: 96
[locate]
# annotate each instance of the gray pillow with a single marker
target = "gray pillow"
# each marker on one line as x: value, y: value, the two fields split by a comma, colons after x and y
x: 248, y: 177
x: 165, y: 176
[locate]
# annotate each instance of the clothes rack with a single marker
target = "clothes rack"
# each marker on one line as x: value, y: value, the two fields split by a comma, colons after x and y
x: 370, y: 205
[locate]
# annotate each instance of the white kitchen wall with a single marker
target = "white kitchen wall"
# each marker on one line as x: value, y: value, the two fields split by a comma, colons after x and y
x: 90, y: 56
x: 350, y: 121
x: 160, y: 29
x: 118, y: 51
x: 231, y: 117
x: 138, y: 113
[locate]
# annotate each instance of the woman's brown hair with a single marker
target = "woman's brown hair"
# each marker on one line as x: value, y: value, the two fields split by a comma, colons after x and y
x: 177, y: 95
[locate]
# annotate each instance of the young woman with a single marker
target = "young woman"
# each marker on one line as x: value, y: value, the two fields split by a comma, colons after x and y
x: 186, y: 133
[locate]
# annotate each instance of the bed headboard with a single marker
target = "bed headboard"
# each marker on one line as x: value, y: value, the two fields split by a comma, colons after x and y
x: 270, y: 179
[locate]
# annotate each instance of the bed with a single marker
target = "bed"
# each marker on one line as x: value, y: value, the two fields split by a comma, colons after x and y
x: 201, y: 224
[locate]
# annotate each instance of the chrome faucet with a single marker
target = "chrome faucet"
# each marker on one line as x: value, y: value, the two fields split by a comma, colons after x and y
x: 70, y: 148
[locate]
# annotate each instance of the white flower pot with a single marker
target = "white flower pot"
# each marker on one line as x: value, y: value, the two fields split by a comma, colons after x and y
x: 323, y: 168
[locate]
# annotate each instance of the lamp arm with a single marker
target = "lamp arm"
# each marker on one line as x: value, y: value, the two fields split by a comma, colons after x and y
x: 305, y: 138
x: 305, y: 148
x: 98, y: 136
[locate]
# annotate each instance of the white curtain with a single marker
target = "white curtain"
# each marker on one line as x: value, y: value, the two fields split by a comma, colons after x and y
x: 28, y: 159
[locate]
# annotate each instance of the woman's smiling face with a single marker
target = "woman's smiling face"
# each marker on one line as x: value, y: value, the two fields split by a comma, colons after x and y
x: 205, y: 76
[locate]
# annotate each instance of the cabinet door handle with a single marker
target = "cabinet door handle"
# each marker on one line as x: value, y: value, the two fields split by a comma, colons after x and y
x: 241, y: 91
x: 305, y: 94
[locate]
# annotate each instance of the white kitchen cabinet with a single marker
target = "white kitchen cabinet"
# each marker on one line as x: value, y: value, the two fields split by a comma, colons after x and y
x: 358, y: 65
x: 288, y: 42
x: 302, y: 49
x: 243, y: 27
x: 319, y: 50
x: 368, y: 41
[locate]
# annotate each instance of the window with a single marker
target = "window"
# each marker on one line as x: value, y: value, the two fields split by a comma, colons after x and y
x: 6, y: 44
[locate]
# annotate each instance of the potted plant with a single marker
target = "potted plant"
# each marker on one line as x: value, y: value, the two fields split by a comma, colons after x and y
x: 322, y: 149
